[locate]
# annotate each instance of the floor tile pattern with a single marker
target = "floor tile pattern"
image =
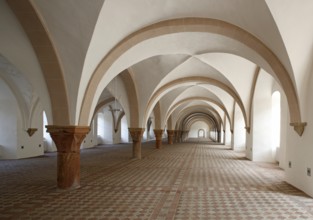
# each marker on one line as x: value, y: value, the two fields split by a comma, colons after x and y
x: 181, y: 181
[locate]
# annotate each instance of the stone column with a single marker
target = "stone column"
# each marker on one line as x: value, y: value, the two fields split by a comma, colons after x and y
x: 158, y: 138
x: 219, y: 136
x: 185, y: 135
x: 178, y: 136
x: 136, y: 134
x: 170, y: 136
x: 68, y: 140
x: 181, y: 136
x: 175, y: 136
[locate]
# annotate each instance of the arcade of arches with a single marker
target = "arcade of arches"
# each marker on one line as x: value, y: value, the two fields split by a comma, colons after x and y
x: 77, y: 74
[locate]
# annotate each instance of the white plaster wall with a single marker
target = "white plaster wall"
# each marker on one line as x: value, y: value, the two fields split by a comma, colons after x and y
x: 239, y: 135
x: 262, y: 119
x: 293, y: 19
x: 100, y: 127
x: 33, y: 146
x: 14, y: 140
x: 70, y: 25
x: 284, y: 126
x: 8, y: 125
x: 195, y: 127
x: 117, y: 89
x: 16, y: 47
x: 299, y: 150
x: 49, y: 145
x: 124, y: 130
x: 91, y: 139
x: 213, y: 135
x: 227, y: 134
x: 117, y: 135
x: 107, y: 127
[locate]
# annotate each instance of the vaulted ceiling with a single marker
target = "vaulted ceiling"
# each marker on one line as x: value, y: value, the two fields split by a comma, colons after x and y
x: 173, y: 59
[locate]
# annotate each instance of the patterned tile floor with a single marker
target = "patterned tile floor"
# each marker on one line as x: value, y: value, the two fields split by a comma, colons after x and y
x: 180, y: 181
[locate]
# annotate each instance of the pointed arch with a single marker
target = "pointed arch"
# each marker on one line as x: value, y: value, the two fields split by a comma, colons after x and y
x: 207, y: 25
x: 48, y: 58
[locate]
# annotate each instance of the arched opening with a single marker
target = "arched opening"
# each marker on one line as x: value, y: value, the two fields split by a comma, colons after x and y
x: 201, y: 133
x: 100, y: 127
x: 276, y: 118
x: 47, y: 141
x: 199, y: 129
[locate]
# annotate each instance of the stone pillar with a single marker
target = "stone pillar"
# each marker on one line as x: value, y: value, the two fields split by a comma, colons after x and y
x: 158, y: 138
x: 136, y: 134
x: 185, y: 135
x: 181, y: 132
x: 68, y: 140
x: 178, y: 136
x: 219, y: 136
x: 170, y: 136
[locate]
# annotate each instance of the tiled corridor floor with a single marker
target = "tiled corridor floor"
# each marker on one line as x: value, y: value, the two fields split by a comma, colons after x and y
x: 181, y: 181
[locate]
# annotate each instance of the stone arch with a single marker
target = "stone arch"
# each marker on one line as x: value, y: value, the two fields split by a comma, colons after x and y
x: 22, y: 90
x: 196, y: 25
x: 212, y: 111
x: 132, y: 97
x: 198, y: 98
x: 200, y: 116
x: 158, y: 94
x: 193, y: 117
x: 47, y: 57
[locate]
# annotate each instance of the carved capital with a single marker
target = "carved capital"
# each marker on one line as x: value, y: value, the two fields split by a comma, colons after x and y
x: 67, y: 138
x: 299, y: 127
x: 158, y: 133
x: 136, y: 133
x: 170, y: 132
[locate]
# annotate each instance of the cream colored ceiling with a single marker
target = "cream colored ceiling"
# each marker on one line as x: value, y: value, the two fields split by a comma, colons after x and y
x: 84, y: 34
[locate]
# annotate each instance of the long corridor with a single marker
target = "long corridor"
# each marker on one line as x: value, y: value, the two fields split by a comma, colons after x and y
x: 180, y: 181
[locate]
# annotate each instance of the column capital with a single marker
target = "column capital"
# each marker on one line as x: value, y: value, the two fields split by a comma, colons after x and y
x: 158, y: 132
x: 136, y: 133
x: 170, y: 132
x: 67, y: 138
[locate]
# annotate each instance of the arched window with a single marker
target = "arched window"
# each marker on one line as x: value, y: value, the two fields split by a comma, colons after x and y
x: 100, y: 127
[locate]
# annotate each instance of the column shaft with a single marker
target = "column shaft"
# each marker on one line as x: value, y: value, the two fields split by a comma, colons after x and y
x: 158, y: 138
x: 170, y: 136
x: 136, y: 134
x: 68, y: 140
